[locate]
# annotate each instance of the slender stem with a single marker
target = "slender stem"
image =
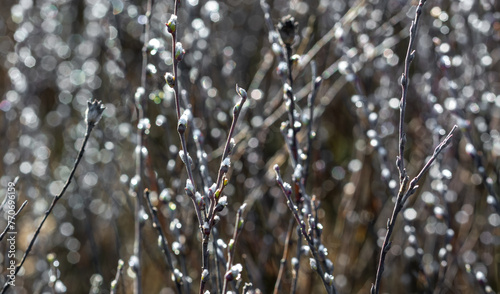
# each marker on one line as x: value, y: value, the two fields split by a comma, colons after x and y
x: 139, y: 167
x: 218, y: 278
x: 236, y: 114
x: 286, y: 189
x: 410, y: 55
x: 300, y: 175
x: 90, y: 126
x: 205, y: 269
x: 177, y: 98
x: 238, y: 226
x: 296, y: 267
x: 116, y: 281
x: 316, y: 83
x: 178, y: 112
x: 289, y: 52
x: 220, y: 184
x: 174, y: 66
x: 163, y: 239
x: 290, y: 104
x: 403, y: 177
x: 277, y: 285
x: 387, y: 244
x: 145, y: 45
x: 405, y: 191
x: 186, y: 160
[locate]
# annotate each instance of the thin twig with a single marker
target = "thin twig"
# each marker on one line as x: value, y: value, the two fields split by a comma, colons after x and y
x: 287, y: 29
x: 140, y: 104
x: 205, y: 224
x: 93, y: 115
x: 296, y: 265
x: 163, y: 242
x: 217, y: 260
x: 173, y: 81
x: 406, y: 190
x: 403, y: 176
x: 410, y: 55
x: 238, y: 227
x: 281, y: 271
x: 316, y: 83
x: 116, y: 281
x: 220, y: 184
x: 316, y: 264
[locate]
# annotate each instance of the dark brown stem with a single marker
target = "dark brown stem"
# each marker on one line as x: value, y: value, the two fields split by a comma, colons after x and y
x: 182, y: 137
x: 238, y: 226
x: 403, y: 177
x: 164, y: 242
x: 205, y: 266
x: 405, y: 191
x: 290, y: 63
x: 220, y: 185
x: 286, y: 189
x: 316, y: 83
x: 410, y: 55
x: 296, y: 267
x: 218, y: 278
x: 90, y: 126
x: 291, y: 117
x: 281, y: 271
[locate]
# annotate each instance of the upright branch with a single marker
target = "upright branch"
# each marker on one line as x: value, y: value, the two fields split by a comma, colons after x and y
x: 293, y: 124
x: 281, y: 271
x: 172, y: 80
x: 316, y: 83
x: 162, y: 241
x: 282, y: 39
x: 212, y: 203
x: 287, y: 29
x: 315, y: 262
x: 410, y: 55
x: 232, y: 272
x: 183, y: 119
x: 92, y: 116
x: 217, y: 201
x: 405, y: 191
x: 138, y: 180
x: 406, y: 187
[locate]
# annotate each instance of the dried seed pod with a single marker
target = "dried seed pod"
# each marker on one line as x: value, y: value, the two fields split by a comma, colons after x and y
x: 94, y: 112
x: 287, y: 28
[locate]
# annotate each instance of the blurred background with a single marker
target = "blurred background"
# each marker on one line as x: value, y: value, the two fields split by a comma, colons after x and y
x: 55, y: 55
